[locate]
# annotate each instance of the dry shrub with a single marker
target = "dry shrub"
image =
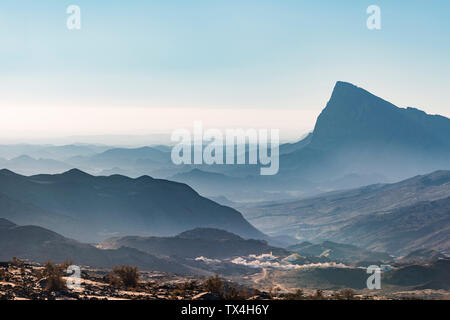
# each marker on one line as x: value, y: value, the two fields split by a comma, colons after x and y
x: 345, y: 294
x: 53, y: 273
x: 297, y: 295
x: 223, y: 289
x: 235, y: 294
x: 214, y: 284
x: 113, y: 280
x: 185, y: 288
x: 318, y: 295
x: 128, y: 275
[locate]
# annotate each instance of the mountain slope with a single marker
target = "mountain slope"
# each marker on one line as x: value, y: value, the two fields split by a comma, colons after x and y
x: 37, y: 244
x: 213, y: 184
x: 26, y: 213
x: 421, y: 225
x: 291, y: 147
x: 118, y: 205
x: 422, y: 255
x: 338, y: 251
x: 325, y: 217
x: 435, y: 275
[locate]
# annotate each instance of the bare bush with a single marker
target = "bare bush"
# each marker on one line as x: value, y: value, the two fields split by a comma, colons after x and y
x: 223, y: 289
x: 297, y: 295
x: 318, y: 295
x: 53, y: 274
x: 214, y: 284
x: 233, y: 293
x: 128, y: 275
x: 113, y: 280
x: 345, y: 294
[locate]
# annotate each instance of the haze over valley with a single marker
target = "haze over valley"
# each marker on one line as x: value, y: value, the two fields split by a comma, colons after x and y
x: 369, y: 185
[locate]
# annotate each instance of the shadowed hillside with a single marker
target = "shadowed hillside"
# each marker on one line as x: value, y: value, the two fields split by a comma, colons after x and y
x: 211, y: 243
x: 387, y: 217
x: 37, y: 244
x: 98, y: 207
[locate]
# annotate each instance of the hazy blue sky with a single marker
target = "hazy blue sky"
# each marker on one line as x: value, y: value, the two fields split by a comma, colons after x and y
x: 152, y: 66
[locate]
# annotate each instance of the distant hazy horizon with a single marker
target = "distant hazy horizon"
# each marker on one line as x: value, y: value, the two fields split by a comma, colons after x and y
x: 150, y: 67
x: 105, y: 125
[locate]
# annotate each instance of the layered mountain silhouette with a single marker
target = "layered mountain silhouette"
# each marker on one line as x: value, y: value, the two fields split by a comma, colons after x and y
x: 61, y: 153
x: 25, y: 164
x: 38, y: 244
x: 92, y: 208
x: 396, y: 218
x: 358, y: 123
x: 193, y: 252
x: 133, y: 161
x: 206, y: 242
x: 358, y: 139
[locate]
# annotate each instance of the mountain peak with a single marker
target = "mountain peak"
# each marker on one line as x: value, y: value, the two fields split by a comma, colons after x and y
x: 344, y: 84
x: 347, y: 91
x: 76, y: 173
x: 7, y: 172
x: 357, y: 119
x: 145, y: 178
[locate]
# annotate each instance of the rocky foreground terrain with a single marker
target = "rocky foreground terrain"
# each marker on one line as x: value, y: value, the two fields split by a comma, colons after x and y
x: 31, y: 281
x: 20, y: 280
